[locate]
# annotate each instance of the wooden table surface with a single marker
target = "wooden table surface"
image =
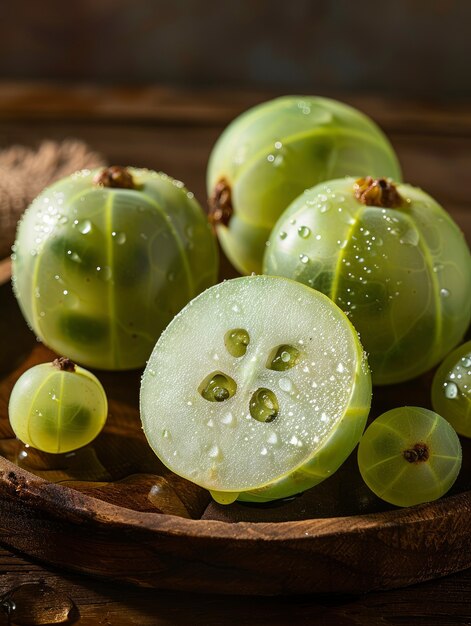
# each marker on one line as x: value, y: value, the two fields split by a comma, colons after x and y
x: 174, y: 131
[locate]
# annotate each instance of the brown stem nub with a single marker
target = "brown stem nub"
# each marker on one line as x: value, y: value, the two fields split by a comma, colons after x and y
x: 64, y: 364
x: 115, y: 176
x: 220, y: 204
x: 378, y: 192
x: 418, y: 454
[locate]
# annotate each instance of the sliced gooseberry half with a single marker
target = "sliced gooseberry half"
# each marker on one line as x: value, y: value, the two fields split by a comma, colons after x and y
x: 277, y: 419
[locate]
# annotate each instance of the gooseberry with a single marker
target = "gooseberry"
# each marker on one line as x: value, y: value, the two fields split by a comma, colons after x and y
x: 249, y: 402
x: 57, y: 407
x: 451, y: 389
x: 391, y: 258
x: 409, y: 455
x: 271, y: 153
x: 104, y: 259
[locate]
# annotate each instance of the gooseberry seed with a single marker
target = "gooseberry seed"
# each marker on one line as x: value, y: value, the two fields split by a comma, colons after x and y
x: 284, y: 358
x: 236, y: 341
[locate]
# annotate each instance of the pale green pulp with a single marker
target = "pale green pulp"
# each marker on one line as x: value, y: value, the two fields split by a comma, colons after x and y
x: 278, y: 432
x: 99, y: 272
x: 57, y: 411
x: 403, y: 275
x: 276, y: 150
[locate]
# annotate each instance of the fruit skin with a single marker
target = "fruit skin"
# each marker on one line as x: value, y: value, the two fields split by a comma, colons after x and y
x: 276, y: 150
x: 332, y: 452
x: 451, y: 389
x: 402, y: 275
x: 57, y: 411
x: 99, y: 272
x: 385, y: 468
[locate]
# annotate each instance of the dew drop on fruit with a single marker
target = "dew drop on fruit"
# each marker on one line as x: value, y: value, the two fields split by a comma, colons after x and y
x: 227, y: 419
x: 214, y: 452
x: 283, y: 234
x: 438, y: 267
x: 286, y: 384
x: 410, y: 237
x: 272, y: 438
x: 324, y: 208
x: 444, y: 293
x: 304, y: 232
x: 451, y: 391
x: 119, y: 238
x: 303, y: 258
x: 263, y: 451
x: 466, y: 360
x: 84, y: 226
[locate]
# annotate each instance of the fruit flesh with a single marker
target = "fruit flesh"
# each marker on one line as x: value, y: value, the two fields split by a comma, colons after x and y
x: 274, y: 151
x: 286, y: 447
x: 451, y: 389
x: 57, y: 411
x: 99, y: 272
x: 402, y: 275
x: 409, y: 455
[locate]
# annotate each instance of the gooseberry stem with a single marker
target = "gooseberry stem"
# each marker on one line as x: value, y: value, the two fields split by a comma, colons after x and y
x: 116, y: 177
x: 220, y: 204
x: 64, y: 364
x: 378, y: 192
x: 418, y: 454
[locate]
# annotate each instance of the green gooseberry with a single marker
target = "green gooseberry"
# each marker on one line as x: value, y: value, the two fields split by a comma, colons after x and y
x: 391, y: 258
x: 271, y: 153
x: 409, y: 455
x: 57, y: 407
x: 104, y: 259
x: 451, y: 389
x: 269, y: 420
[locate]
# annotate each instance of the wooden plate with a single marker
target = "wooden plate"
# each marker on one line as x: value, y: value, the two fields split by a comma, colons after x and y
x: 112, y: 510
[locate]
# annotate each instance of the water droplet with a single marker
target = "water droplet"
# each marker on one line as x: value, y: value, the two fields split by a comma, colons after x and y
x: 283, y: 234
x: 270, y: 158
x: 63, y: 219
x: 272, y: 438
x: 303, y: 258
x: 120, y: 238
x: 151, y: 372
x: 466, y: 360
x: 227, y: 419
x: 324, y: 208
x: 444, y: 293
x: 451, y: 391
x: 38, y: 603
x: 84, y: 226
x: 340, y: 368
x: 292, y: 222
x: 263, y: 451
x: 166, y: 434
x: 214, y: 452
x: 318, y: 237
x: 286, y: 384
x: 410, y: 237
x: 104, y: 272
x: 304, y: 232
x: 295, y: 441
x: 285, y: 356
x: 438, y: 267
x: 278, y: 145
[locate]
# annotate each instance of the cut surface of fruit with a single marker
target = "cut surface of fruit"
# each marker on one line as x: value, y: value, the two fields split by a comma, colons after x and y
x: 273, y: 418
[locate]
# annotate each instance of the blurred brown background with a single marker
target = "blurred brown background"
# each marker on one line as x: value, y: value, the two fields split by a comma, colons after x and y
x: 406, y: 48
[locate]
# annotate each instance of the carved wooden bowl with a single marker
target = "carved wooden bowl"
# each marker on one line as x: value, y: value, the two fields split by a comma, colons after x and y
x: 113, y: 510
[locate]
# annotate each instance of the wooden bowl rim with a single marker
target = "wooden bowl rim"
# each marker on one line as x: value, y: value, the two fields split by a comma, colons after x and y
x: 60, y: 500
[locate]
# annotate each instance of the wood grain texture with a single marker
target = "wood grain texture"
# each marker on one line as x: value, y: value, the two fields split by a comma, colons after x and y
x: 126, y: 518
